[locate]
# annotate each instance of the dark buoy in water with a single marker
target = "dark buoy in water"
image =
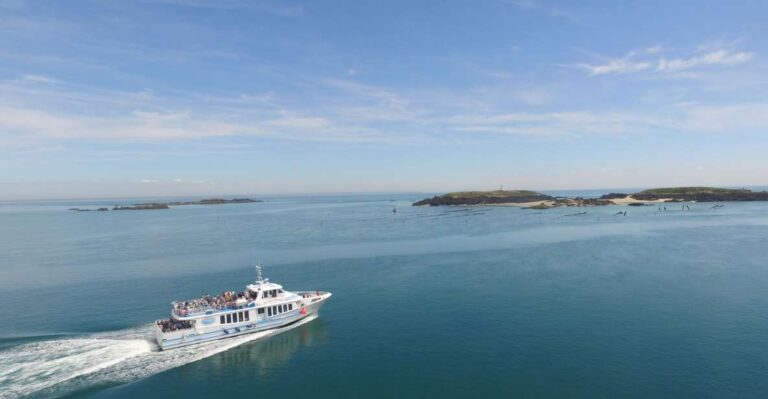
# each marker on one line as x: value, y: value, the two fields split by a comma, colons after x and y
x: 394, y: 210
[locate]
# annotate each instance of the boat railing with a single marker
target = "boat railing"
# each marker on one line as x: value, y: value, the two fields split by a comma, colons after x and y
x: 202, y: 309
x: 310, y: 294
x: 171, y: 325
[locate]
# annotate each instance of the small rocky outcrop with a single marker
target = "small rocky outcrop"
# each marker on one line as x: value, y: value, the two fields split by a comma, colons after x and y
x: 611, y: 196
x: 568, y: 202
x: 166, y: 205
x: 215, y: 201
x: 141, y: 207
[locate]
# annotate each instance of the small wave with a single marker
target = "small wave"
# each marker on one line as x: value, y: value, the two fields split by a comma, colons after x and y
x: 57, y: 367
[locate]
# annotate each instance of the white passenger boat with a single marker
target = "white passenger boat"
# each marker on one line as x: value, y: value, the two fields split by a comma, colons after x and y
x: 262, y: 306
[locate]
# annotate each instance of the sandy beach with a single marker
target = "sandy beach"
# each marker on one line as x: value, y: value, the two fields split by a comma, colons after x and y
x: 628, y: 200
x: 521, y: 204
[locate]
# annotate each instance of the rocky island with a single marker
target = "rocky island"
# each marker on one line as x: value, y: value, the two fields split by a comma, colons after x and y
x: 167, y: 205
x: 141, y: 207
x: 700, y: 194
x: 485, y: 198
x: 521, y: 198
x: 215, y: 201
x: 536, y: 200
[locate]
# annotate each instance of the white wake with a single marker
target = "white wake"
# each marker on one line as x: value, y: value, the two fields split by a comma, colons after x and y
x: 55, y: 367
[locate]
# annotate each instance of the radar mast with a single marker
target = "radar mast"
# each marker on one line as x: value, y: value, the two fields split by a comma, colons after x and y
x: 259, y: 278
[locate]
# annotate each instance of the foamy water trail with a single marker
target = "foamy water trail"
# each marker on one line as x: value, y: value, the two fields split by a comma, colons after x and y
x: 53, y: 368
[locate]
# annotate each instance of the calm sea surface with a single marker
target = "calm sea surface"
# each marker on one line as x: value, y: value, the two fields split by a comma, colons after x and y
x: 428, y: 302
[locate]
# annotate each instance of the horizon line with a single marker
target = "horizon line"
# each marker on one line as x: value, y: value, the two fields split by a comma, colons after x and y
x: 341, y: 193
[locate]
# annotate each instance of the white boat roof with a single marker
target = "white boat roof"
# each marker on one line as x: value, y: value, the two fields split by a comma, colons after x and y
x: 264, y: 286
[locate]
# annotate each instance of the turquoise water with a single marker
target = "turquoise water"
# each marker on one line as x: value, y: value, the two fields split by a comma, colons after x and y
x: 450, y: 302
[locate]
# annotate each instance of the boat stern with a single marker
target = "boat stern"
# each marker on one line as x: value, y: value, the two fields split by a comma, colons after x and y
x: 159, y: 335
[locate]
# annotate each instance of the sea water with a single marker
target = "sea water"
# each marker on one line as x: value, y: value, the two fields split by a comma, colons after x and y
x: 428, y: 301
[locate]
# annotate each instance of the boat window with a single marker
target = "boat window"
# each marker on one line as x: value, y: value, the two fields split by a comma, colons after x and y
x: 290, y: 306
x: 269, y: 311
x: 229, y: 318
x: 279, y: 291
x: 261, y: 310
x: 240, y: 316
x: 221, y: 319
x: 248, y: 315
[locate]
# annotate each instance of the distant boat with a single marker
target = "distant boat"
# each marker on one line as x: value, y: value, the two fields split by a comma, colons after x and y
x: 261, y: 306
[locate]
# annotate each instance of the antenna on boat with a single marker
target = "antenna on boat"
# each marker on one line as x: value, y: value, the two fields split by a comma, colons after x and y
x: 259, y: 277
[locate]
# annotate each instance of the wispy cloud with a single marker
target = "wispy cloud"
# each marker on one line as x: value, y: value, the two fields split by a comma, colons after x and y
x: 718, y: 57
x: 543, y: 7
x: 558, y: 124
x: 39, y: 79
x: 338, y: 111
x: 650, y: 60
x: 685, y: 119
x: 616, y: 66
x: 266, y: 6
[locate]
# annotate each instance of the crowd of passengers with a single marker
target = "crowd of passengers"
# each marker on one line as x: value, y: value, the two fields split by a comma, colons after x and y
x: 173, y: 325
x: 227, y: 300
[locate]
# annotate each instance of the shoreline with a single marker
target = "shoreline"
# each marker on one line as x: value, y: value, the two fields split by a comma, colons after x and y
x: 534, y: 200
x: 629, y: 199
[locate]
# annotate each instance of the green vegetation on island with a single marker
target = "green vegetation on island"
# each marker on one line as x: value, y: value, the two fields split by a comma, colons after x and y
x: 484, y: 198
x: 536, y: 200
x: 701, y: 194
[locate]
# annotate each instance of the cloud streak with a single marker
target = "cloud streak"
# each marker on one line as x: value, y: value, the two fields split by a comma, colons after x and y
x: 616, y: 66
x: 719, y: 57
x: 543, y: 7
x: 349, y: 123
x: 635, y: 62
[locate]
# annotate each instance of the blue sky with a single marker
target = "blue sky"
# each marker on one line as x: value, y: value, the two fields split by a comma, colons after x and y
x: 196, y: 97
